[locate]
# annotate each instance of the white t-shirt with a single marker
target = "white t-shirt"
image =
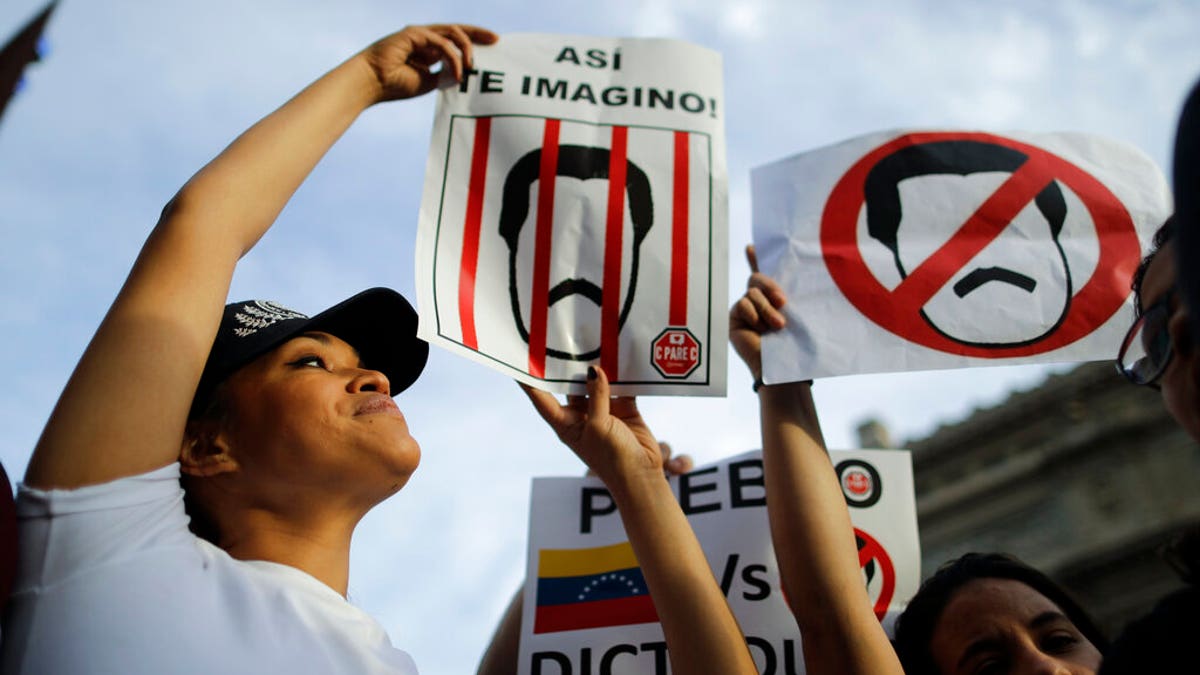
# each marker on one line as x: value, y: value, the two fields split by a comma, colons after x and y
x: 110, y: 580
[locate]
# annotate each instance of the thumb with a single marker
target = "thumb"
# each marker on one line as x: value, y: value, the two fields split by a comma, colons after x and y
x: 752, y: 258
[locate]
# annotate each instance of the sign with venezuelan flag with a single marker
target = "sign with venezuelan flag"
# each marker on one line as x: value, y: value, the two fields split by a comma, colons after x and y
x: 588, y: 610
x: 581, y: 588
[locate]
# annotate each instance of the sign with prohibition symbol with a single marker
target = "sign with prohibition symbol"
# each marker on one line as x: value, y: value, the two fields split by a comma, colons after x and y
x: 1035, y: 173
x: 577, y: 541
x: 874, y: 561
x: 574, y: 209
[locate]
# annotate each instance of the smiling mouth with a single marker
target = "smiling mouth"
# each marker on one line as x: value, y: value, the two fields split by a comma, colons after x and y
x: 982, y: 275
x: 378, y: 405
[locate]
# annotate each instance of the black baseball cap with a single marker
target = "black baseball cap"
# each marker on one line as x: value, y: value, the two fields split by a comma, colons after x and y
x: 378, y: 322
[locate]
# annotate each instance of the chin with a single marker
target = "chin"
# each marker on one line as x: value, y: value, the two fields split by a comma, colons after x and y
x: 1184, y: 407
x: 404, y: 457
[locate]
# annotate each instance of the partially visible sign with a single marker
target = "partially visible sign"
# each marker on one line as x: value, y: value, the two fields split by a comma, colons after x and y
x: 589, y: 610
x: 575, y: 211
x: 919, y: 250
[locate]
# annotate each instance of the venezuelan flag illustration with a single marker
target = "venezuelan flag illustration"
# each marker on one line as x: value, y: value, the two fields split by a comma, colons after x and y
x: 590, y: 588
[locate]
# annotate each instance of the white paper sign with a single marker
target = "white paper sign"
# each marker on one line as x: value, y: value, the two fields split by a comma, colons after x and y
x: 587, y: 610
x: 911, y: 250
x: 575, y: 213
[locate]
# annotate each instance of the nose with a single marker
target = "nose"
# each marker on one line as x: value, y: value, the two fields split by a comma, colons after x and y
x: 369, y: 380
x: 1046, y: 664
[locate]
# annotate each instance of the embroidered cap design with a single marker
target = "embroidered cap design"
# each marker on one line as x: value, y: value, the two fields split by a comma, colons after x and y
x: 259, y: 314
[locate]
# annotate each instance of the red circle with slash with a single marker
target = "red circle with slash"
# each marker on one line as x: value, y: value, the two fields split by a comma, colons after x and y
x: 873, y: 550
x: 899, y: 310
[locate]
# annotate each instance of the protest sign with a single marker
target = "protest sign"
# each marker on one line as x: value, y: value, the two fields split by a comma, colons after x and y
x: 943, y: 249
x: 587, y: 608
x: 574, y: 213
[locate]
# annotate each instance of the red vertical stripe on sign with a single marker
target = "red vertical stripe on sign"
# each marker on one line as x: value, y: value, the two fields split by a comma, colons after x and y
x: 470, y: 252
x: 610, y: 307
x: 541, y: 250
x: 679, y: 233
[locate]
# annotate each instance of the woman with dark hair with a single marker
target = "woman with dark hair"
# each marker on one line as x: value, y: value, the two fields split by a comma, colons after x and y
x: 1159, y: 350
x: 990, y: 613
x: 981, y: 614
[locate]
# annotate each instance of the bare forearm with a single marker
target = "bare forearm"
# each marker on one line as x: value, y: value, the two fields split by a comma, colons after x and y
x: 124, y: 408
x: 701, y: 633
x: 814, y: 540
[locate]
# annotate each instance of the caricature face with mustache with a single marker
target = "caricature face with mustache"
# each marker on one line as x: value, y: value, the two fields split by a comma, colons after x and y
x: 1020, y: 282
x: 576, y: 280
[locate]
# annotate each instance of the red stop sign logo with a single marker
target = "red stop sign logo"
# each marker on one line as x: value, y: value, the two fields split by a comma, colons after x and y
x: 675, y: 353
x: 857, y: 482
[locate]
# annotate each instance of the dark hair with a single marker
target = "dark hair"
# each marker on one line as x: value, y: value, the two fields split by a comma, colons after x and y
x: 215, y: 410
x: 915, y: 627
x: 962, y: 157
x: 1162, y: 237
x: 1161, y: 640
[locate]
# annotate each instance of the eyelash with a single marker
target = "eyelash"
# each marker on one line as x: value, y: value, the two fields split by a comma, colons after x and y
x: 306, y: 360
x: 1054, y: 643
x: 990, y: 667
x: 1059, y: 642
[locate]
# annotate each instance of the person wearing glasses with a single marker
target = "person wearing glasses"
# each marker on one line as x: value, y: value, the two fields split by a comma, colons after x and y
x: 1158, y: 351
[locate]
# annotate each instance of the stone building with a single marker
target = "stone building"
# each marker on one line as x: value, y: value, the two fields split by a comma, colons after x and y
x: 1085, y: 477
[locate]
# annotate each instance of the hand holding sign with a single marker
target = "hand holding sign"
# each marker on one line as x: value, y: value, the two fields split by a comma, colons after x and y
x: 607, y: 585
x: 608, y: 434
x: 402, y: 61
x: 755, y: 313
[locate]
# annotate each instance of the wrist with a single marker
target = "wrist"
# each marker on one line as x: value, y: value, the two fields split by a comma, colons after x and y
x: 638, y: 488
x: 367, y: 77
x: 759, y: 384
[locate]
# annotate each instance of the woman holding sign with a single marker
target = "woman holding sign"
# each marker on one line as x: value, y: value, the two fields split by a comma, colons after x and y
x: 981, y: 614
x: 611, y: 437
x: 283, y: 430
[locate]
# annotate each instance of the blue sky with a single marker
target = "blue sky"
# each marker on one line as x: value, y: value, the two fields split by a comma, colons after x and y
x: 133, y: 97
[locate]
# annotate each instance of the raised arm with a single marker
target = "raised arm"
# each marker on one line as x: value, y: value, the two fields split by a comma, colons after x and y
x: 810, y: 523
x: 500, y: 657
x: 124, y: 408
x: 610, y: 436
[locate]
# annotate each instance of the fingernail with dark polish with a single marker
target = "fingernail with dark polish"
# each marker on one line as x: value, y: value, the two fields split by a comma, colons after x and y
x: 591, y: 372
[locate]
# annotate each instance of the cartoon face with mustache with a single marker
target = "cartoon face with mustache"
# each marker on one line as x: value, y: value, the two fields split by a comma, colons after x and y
x: 1014, y: 292
x: 578, y: 242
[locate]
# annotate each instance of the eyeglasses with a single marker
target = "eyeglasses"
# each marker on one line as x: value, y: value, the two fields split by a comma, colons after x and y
x: 1146, y: 350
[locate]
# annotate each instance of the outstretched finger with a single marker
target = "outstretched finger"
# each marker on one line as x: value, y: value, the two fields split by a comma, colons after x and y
x: 752, y: 257
x: 478, y: 35
x: 461, y: 40
x: 545, y: 403
x: 598, y: 392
